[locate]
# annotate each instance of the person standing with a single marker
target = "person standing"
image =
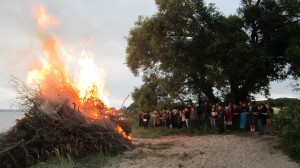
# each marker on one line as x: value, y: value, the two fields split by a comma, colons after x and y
x: 213, y: 116
x: 169, y: 120
x: 164, y: 118
x: 260, y: 119
x: 193, y: 117
x: 156, y: 119
x: 181, y: 118
x: 175, y: 117
x: 187, y: 114
x: 228, y: 118
x: 270, y: 113
x: 243, y: 116
x: 252, y: 110
x: 220, y: 119
x: 205, y: 117
x: 235, y: 117
x: 146, y: 119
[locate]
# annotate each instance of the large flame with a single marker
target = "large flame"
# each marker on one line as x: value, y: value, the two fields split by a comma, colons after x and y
x: 86, y: 88
x: 122, y: 132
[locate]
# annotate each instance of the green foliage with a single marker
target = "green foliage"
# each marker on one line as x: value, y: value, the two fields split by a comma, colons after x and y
x: 275, y: 26
x: 168, y: 47
x: 58, y: 161
x: 189, y: 48
x: 132, y: 107
x: 68, y: 162
x: 145, y: 96
x: 282, y: 102
x: 287, y: 126
x: 152, y: 96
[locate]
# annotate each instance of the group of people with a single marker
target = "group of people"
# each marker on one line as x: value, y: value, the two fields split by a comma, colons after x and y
x: 182, y: 117
x: 243, y: 116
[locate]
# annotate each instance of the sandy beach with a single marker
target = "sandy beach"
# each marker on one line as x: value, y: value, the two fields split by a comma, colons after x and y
x: 215, y: 151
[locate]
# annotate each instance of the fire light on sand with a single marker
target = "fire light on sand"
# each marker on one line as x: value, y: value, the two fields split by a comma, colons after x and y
x: 85, y: 90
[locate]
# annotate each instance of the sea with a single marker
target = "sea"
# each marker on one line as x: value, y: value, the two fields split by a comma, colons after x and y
x: 8, y: 118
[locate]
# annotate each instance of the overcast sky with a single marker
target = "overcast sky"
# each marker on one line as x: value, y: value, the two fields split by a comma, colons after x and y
x: 106, y: 22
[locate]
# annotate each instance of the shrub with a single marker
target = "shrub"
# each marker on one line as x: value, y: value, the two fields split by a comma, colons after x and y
x: 287, y: 126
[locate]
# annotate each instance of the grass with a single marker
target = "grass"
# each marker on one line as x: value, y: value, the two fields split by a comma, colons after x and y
x: 62, y: 162
x: 68, y: 162
x: 160, y: 146
x: 154, y: 132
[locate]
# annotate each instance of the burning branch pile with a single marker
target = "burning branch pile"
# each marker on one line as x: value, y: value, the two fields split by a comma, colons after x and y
x: 65, y: 116
x: 49, y: 128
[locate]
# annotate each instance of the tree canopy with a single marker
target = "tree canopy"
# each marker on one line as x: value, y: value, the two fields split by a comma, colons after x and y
x: 188, y: 48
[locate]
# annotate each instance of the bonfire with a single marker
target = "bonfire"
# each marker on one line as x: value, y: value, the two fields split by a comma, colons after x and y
x: 63, y: 115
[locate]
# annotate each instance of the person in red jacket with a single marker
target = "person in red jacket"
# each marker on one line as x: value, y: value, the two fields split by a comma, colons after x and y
x: 228, y: 118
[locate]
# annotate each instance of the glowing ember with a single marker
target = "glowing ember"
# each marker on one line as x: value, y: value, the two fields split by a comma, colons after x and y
x: 121, y: 131
x: 86, y: 90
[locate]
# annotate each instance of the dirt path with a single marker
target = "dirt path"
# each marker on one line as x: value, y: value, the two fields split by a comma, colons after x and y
x: 240, y: 150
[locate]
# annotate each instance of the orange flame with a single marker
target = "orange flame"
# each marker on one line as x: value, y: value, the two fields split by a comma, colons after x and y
x: 87, y: 90
x: 43, y: 19
x: 121, y: 131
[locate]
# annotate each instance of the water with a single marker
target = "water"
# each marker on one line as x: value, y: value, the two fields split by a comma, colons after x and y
x: 8, y: 118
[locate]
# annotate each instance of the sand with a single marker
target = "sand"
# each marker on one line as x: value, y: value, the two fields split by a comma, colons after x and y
x: 210, y: 151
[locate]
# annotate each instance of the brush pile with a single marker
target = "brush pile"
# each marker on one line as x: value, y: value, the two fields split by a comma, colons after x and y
x: 51, y: 128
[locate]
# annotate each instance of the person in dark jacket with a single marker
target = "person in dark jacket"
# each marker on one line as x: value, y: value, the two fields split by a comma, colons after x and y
x: 260, y: 119
x: 220, y: 119
x: 236, y: 117
x: 187, y: 113
x: 251, y: 116
x: 146, y: 119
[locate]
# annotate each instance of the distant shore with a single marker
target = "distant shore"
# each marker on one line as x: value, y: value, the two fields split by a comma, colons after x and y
x: 8, y: 118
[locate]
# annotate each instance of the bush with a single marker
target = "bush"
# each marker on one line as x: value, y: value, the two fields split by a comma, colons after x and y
x: 287, y: 126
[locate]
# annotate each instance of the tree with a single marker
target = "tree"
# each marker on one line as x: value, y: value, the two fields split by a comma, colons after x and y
x: 242, y: 67
x: 152, y: 96
x: 189, y: 48
x: 145, y: 96
x: 168, y: 45
x: 274, y: 25
x: 258, y: 42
